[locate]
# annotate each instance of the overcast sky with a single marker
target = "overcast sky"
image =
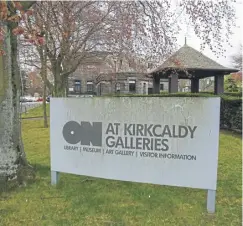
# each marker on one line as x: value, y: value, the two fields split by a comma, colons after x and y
x: 236, y: 39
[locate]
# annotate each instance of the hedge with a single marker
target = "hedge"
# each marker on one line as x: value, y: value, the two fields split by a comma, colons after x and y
x: 234, y: 94
x: 230, y: 112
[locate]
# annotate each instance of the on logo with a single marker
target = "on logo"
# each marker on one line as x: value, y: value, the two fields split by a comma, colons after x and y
x: 85, y: 132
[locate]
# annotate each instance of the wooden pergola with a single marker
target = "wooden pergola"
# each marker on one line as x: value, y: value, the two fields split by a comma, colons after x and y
x: 188, y: 63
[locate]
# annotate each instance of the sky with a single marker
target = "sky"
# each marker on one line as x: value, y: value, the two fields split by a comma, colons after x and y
x: 236, y: 39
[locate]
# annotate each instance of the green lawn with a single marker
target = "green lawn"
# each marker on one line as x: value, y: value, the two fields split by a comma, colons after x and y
x: 77, y: 201
x: 36, y: 112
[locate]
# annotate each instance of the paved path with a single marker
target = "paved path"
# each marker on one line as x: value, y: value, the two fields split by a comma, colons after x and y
x: 34, y: 118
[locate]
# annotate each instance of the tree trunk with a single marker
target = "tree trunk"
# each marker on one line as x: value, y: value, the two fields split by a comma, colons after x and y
x: 49, y: 86
x: 43, y: 56
x: 59, y: 87
x: 44, y: 104
x: 44, y: 107
x: 13, y: 163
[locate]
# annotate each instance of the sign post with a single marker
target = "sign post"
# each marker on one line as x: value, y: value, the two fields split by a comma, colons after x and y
x: 167, y: 141
x: 54, y: 177
x: 211, y: 198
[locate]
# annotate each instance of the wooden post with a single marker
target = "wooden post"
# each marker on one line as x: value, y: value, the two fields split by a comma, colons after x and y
x: 195, y: 85
x: 156, y: 84
x: 218, y: 84
x: 173, y: 83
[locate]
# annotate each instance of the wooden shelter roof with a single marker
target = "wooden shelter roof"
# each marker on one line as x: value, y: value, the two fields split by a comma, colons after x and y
x: 189, y: 59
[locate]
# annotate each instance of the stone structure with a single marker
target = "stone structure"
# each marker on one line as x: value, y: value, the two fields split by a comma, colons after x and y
x: 105, y: 73
x: 124, y: 83
x: 188, y: 63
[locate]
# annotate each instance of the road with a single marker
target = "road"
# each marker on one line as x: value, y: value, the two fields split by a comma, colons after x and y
x: 28, y: 105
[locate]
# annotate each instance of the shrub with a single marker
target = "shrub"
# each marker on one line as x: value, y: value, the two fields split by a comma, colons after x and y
x: 231, y: 114
x: 233, y: 94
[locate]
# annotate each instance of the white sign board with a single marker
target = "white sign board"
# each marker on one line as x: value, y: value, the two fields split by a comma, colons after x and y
x: 167, y: 141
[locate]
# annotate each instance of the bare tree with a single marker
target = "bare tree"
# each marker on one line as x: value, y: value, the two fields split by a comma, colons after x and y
x: 147, y: 28
x: 30, y: 59
x: 36, y: 56
x: 206, y: 85
x: 237, y: 59
x: 70, y: 40
x: 182, y: 84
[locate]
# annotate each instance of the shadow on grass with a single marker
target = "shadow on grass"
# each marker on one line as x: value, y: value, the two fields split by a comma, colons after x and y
x: 42, y: 170
x: 231, y: 133
x: 6, y: 188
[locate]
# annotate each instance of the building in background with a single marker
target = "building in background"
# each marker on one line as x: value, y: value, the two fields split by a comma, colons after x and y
x: 123, y: 83
x: 105, y: 73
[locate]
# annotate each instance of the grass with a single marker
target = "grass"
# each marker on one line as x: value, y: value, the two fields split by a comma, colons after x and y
x: 36, y: 112
x: 77, y: 201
